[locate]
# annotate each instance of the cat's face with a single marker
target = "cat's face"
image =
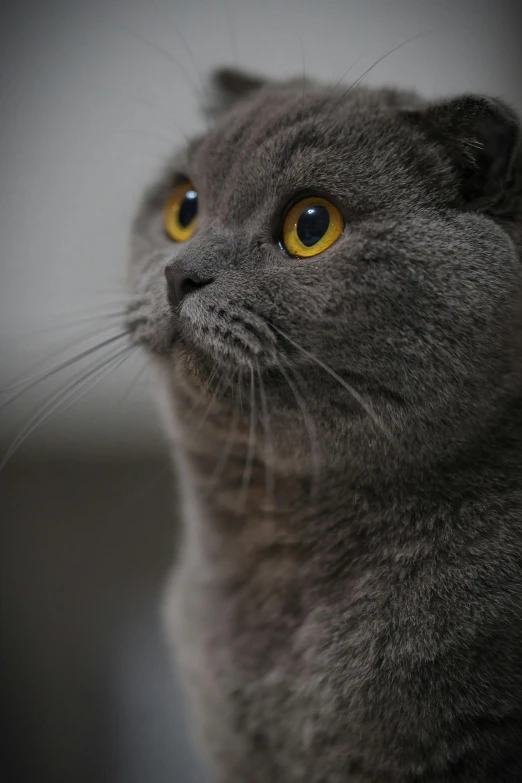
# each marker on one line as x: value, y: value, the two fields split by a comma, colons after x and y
x: 405, y: 330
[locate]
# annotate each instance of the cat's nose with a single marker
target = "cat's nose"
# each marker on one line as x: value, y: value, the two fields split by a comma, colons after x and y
x: 182, y: 281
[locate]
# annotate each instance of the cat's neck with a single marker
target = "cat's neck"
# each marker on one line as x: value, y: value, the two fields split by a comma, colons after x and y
x: 249, y: 503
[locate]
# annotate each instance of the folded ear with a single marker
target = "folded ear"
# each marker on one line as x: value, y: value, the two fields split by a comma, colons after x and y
x: 481, y: 136
x: 228, y: 86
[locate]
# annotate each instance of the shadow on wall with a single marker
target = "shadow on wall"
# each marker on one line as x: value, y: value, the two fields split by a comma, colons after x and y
x: 88, y: 690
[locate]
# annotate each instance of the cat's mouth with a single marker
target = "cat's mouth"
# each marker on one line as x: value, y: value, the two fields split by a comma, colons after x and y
x: 232, y: 335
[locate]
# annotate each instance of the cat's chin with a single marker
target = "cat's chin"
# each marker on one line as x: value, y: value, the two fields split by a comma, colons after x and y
x: 227, y: 336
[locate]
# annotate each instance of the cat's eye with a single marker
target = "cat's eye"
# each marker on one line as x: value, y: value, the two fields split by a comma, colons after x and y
x: 311, y: 226
x: 180, y: 213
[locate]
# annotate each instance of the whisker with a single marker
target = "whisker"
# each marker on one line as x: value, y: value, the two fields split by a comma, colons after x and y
x: 345, y: 74
x: 183, y: 40
x: 309, y: 426
x: 269, y: 446
x: 118, y: 26
x: 78, y: 340
x: 70, y: 321
x: 211, y: 402
x: 132, y: 384
x: 239, y: 395
x: 170, y: 127
x: 69, y: 324
x: 202, y: 394
x: 225, y: 453
x: 118, y: 296
x: 249, y: 460
x: 114, y: 286
x: 355, y: 394
x: 152, y: 107
x: 29, y: 384
x: 375, y: 64
x: 165, y: 53
x: 52, y: 406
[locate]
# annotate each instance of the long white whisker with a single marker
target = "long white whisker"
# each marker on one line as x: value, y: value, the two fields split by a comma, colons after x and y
x: 152, y: 107
x: 132, y: 384
x: 375, y: 64
x: 78, y: 322
x: 61, y: 366
x: 211, y: 402
x: 239, y: 395
x: 249, y: 459
x: 355, y: 394
x: 78, y: 340
x: 54, y: 405
x: 183, y: 40
x: 269, y: 446
x: 164, y: 53
x: 309, y: 425
x: 196, y: 403
x: 225, y: 453
x: 331, y: 90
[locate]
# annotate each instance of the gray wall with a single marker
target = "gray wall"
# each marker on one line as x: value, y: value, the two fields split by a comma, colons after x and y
x: 90, y: 107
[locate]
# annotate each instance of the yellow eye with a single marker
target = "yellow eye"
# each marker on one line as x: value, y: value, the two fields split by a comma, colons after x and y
x: 181, y: 212
x: 311, y: 226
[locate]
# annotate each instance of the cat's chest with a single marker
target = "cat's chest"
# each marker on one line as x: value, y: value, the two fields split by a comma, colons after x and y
x: 299, y: 662
x: 259, y: 601
x: 260, y: 609
x: 274, y: 661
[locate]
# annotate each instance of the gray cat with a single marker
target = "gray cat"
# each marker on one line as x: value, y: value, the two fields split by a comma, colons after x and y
x: 329, y: 284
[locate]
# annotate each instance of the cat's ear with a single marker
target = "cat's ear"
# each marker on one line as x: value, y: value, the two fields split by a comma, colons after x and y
x: 228, y: 86
x: 481, y: 136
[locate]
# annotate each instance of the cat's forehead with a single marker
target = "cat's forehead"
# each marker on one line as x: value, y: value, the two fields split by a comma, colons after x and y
x: 287, y: 139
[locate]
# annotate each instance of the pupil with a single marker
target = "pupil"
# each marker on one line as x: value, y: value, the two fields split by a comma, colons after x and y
x: 313, y: 225
x: 188, y: 209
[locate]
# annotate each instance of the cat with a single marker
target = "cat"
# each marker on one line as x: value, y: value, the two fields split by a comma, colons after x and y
x: 328, y: 283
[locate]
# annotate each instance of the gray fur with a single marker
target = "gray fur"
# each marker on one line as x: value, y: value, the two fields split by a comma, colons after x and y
x: 347, y: 602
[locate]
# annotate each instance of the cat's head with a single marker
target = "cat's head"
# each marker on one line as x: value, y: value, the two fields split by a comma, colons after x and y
x: 356, y: 248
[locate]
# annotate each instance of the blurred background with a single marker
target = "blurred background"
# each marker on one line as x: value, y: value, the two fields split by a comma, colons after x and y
x: 94, y: 96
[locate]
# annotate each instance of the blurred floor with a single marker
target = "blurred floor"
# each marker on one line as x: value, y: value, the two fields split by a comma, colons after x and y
x: 87, y: 691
